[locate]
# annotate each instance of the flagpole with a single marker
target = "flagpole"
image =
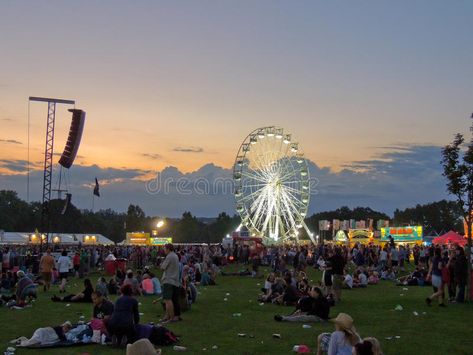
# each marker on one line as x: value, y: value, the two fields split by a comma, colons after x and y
x: 93, y: 202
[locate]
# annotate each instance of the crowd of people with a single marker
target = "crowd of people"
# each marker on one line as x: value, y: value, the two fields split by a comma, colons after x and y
x: 184, y: 268
x: 119, y: 322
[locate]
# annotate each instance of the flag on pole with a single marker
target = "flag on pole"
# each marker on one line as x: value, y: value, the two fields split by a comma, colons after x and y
x: 96, y: 188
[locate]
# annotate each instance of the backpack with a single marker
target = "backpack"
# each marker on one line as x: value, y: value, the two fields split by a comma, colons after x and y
x: 162, y: 336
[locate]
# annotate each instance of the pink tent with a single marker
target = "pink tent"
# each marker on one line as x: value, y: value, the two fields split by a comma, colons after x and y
x: 450, y: 238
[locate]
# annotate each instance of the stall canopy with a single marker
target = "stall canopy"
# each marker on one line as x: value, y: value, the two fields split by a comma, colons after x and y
x: 450, y: 238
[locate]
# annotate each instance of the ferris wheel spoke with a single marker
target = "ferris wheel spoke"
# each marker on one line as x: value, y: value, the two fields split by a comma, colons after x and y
x: 259, y: 203
x: 253, y: 176
x: 294, y: 200
x: 291, y: 189
x: 291, y: 218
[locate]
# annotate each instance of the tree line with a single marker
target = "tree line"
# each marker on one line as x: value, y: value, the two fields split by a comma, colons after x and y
x: 17, y: 215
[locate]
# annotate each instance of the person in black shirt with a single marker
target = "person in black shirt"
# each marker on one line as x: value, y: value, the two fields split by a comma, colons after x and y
x: 103, y: 308
x: 338, y: 265
x: 314, y: 308
x: 460, y: 273
x: 84, y: 296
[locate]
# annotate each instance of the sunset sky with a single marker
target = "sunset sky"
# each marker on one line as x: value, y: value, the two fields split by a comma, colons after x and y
x: 181, y: 83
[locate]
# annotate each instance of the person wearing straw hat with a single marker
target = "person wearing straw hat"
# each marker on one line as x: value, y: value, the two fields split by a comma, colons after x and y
x: 142, y: 347
x: 342, y: 340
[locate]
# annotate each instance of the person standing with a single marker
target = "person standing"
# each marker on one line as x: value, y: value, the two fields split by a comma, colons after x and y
x: 460, y: 273
x: 46, y: 265
x: 435, y: 272
x: 170, y: 282
x: 64, y: 265
x: 338, y: 265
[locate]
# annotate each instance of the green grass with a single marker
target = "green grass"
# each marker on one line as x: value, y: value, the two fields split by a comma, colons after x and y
x: 210, y: 322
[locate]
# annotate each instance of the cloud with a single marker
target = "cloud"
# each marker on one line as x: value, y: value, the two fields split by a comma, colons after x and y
x: 189, y: 149
x: 152, y: 156
x: 7, y: 119
x: 394, y: 179
x: 18, y: 165
x: 12, y: 141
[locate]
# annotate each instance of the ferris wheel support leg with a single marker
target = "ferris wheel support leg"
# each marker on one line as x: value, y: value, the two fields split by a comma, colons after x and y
x: 310, y: 234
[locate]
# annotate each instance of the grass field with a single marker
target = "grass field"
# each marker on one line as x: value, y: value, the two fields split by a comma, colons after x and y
x: 211, y: 321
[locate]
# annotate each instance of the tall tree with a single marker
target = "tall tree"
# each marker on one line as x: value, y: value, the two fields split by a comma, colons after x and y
x: 435, y: 217
x: 135, y: 219
x: 458, y: 169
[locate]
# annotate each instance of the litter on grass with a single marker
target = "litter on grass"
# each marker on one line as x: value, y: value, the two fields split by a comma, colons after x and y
x: 398, y: 308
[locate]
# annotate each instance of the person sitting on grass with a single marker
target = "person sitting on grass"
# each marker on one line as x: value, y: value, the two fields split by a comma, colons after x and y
x: 388, y: 274
x: 156, y: 284
x: 373, y: 279
x: 102, y: 286
x: 147, y: 285
x: 416, y: 278
x: 112, y: 286
x: 303, y: 287
x: 342, y: 340
x: 103, y: 310
x: 5, y: 284
x: 348, y: 281
x: 25, y: 290
x: 360, y: 279
x: 369, y: 346
x: 133, y: 282
x: 45, y: 336
x: 276, y: 290
x: 268, y: 283
x: 84, y: 296
x: 313, y: 308
x: 290, y: 295
x: 121, y: 325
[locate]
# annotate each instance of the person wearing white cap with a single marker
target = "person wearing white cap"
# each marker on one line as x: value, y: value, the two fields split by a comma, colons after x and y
x: 342, y: 340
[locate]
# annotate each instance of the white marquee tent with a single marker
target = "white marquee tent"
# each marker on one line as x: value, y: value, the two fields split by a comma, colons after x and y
x: 54, y: 238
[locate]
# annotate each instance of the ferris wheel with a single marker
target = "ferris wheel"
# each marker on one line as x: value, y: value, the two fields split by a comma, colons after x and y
x: 272, y: 185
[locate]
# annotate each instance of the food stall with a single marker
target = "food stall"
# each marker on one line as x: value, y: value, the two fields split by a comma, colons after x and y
x: 362, y: 236
x: 402, y: 235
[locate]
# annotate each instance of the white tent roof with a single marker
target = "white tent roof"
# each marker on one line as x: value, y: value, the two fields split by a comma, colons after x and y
x: 76, y: 238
